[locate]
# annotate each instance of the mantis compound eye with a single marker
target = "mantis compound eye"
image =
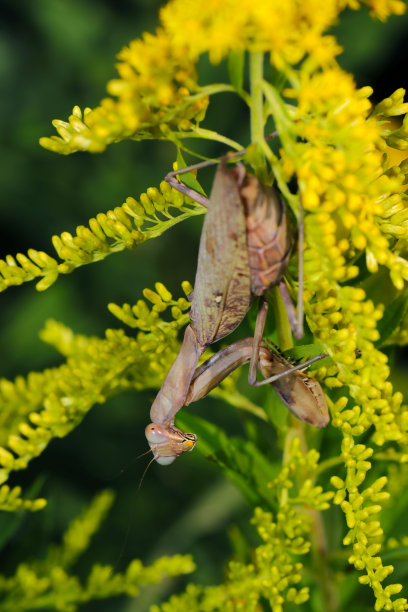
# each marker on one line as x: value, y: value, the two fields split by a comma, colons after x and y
x: 156, y: 434
x: 167, y: 442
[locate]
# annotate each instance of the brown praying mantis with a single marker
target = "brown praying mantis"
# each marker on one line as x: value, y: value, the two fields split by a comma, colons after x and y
x: 244, y: 250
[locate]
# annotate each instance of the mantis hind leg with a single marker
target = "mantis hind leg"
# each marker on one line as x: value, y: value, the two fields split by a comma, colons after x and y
x: 298, y: 330
x: 290, y: 370
x: 253, y: 366
x: 295, y: 315
x: 259, y: 329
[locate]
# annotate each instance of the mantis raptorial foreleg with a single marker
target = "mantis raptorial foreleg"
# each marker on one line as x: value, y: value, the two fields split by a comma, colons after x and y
x: 302, y: 394
x: 259, y: 328
x: 177, y: 382
x: 257, y: 340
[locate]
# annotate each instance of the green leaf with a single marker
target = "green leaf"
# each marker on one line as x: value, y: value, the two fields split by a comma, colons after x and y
x: 307, y: 351
x: 393, y: 315
x: 396, y: 554
x: 188, y: 178
x: 239, y: 459
x: 211, y: 437
x: 236, y: 67
x: 10, y: 522
x: 277, y: 412
x: 394, y: 512
x: 347, y: 587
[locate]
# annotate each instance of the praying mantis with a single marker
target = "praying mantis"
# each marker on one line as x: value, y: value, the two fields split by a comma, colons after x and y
x: 245, y: 246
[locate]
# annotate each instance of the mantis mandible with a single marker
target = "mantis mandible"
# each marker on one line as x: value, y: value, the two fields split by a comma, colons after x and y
x: 245, y: 246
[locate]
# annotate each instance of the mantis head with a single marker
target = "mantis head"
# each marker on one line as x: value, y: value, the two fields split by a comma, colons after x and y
x: 167, y: 442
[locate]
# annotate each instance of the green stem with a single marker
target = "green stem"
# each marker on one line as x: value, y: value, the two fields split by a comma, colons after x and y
x: 284, y: 126
x: 197, y: 132
x: 323, y: 573
x: 159, y: 228
x: 281, y: 116
x: 237, y: 400
x: 215, y: 88
x: 257, y: 99
x: 292, y: 432
x: 328, y: 464
x: 285, y: 340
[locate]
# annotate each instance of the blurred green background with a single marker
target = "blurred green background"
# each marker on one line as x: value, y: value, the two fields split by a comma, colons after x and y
x: 54, y: 54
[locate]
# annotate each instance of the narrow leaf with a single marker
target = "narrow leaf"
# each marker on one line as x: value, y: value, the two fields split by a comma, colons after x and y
x: 277, y: 412
x: 188, y: 178
x: 307, y: 351
x: 239, y: 459
x: 393, y: 315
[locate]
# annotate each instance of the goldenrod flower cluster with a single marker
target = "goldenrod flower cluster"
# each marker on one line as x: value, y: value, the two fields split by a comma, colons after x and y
x: 157, y: 94
x: 361, y: 509
x: 287, y: 31
x: 153, y: 97
x: 50, y: 404
x: 50, y: 584
x: 355, y: 207
x: 276, y: 571
x: 124, y: 227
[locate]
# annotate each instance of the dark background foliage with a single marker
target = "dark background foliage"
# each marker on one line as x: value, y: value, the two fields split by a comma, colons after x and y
x: 54, y: 54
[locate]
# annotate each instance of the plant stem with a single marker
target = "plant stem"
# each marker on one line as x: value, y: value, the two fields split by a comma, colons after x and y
x: 281, y: 116
x: 323, y: 574
x: 209, y: 90
x: 328, y: 464
x: 198, y: 132
x: 257, y: 99
x: 238, y: 400
x: 285, y: 340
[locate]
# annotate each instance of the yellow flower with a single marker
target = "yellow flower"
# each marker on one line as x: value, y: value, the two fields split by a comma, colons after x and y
x: 384, y: 8
x: 157, y: 73
x: 342, y: 178
x: 152, y: 93
x: 287, y: 30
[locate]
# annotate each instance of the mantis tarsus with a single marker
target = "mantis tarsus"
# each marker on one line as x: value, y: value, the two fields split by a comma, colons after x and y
x: 245, y: 246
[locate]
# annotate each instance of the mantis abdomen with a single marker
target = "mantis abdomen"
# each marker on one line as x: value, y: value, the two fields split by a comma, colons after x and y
x: 269, y: 234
